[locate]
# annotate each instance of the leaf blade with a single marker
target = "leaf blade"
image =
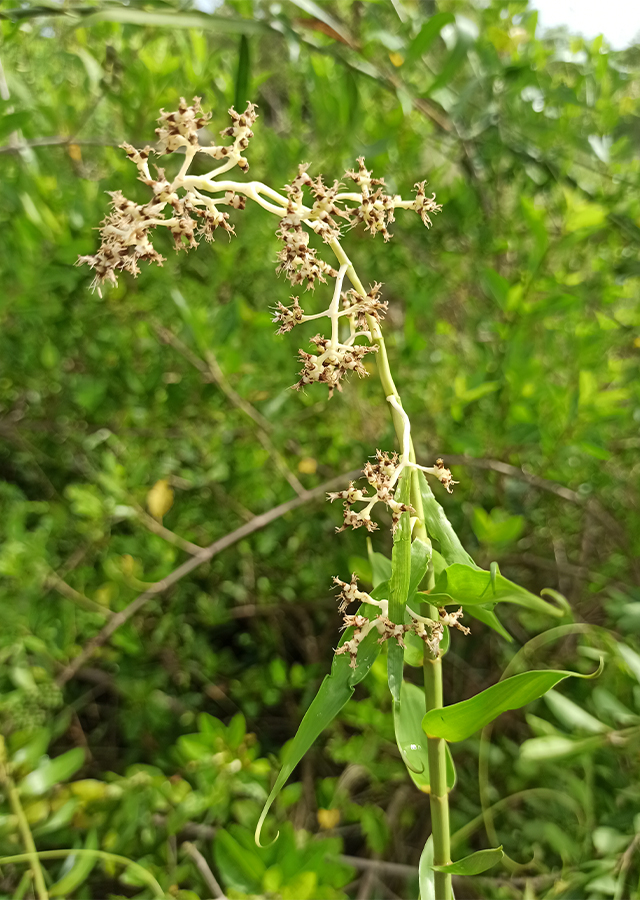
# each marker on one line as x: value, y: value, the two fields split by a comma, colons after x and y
x: 460, y: 720
x: 334, y: 692
x: 474, y: 864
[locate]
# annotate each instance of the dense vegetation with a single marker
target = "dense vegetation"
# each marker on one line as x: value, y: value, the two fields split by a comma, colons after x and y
x: 514, y: 335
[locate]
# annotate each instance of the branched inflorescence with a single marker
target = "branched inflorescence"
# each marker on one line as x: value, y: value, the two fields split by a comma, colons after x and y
x: 429, y: 631
x: 194, y: 206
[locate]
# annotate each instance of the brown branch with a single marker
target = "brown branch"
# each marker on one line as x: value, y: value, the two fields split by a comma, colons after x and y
x: 57, y: 141
x: 198, y: 559
x: 205, y: 871
x: 170, y: 536
x: 54, y: 581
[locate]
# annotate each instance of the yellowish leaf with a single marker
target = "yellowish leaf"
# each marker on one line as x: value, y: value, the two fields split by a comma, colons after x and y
x: 75, y: 152
x: 160, y: 498
x: 328, y: 818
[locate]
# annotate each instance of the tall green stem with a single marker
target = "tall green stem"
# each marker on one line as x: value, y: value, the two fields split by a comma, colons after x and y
x: 23, y: 826
x: 436, y: 749
x: 439, y: 796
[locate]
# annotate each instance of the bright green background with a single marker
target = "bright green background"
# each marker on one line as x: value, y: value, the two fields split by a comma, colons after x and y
x: 513, y: 336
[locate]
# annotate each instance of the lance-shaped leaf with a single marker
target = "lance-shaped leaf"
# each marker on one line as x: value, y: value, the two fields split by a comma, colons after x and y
x: 334, y: 692
x: 473, y: 864
x: 461, y: 720
x: 427, y: 34
x: 452, y: 551
x: 440, y: 528
x: 486, y: 615
x: 380, y: 565
x: 557, y: 746
x: 407, y: 717
x: 466, y: 586
x: 420, y: 558
x: 400, y: 581
x: 425, y: 872
x: 80, y: 869
x: 51, y: 772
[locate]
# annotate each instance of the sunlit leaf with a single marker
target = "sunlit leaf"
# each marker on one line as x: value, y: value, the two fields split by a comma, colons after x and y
x: 467, y: 586
x: 407, y: 718
x: 425, y: 872
x: 79, y: 871
x: 52, y: 772
x: 461, y: 720
x: 473, y: 865
x: 427, y: 35
x: 334, y: 692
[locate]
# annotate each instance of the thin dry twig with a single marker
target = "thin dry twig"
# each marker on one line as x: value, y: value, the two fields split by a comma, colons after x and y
x: 54, y: 581
x: 258, y: 522
x: 170, y: 536
x: 203, y: 867
x: 58, y: 141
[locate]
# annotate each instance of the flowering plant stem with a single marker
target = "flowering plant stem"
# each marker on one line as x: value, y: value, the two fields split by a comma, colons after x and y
x: 31, y: 854
x: 195, y: 204
x: 439, y: 794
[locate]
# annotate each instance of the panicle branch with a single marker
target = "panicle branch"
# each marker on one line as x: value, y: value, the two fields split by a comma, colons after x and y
x: 429, y: 631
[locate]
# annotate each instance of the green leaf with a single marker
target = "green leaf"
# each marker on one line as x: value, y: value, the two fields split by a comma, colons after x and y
x: 52, y: 772
x: 584, y: 215
x: 59, y: 820
x: 440, y: 528
x: 467, y: 586
x: 242, y: 75
x: 455, y: 59
x: 380, y: 565
x: 407, y: 717
x: 173, y: 19
x: 25, y: 758
x: 425, y: 872
x: 474, y: 864
x: 452, y: 551
x: 535, y: 219
x: 79, y: 871
x: 427, y: 35
x: 240, y: 869
x: 631, y: 658
x: 556, y: 746
x: 400, y: 580
x: 488, y: 617
x: 334, y: 692
x: 461, y: 720
x: 571, y: 715
x: 495, y: 286
x: 497, y: 527
x: 420, y: 558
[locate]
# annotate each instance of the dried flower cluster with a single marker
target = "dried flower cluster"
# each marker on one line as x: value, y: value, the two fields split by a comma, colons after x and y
x: 382, y: 476
x: 194, y: 203
x: 125, y: 232
x: 428, y: 630
x: 332, y: 363
x: 192, y: 207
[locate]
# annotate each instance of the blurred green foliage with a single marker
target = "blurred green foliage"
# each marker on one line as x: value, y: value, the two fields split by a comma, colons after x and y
x: 513, y: 332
